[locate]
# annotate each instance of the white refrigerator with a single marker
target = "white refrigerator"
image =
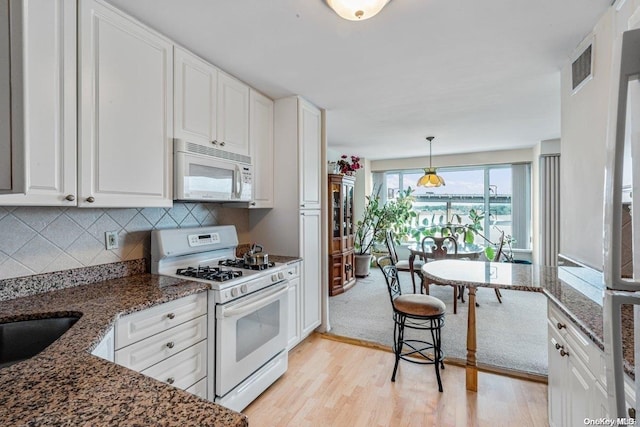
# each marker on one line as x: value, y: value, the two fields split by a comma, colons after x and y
x: 623, y: 153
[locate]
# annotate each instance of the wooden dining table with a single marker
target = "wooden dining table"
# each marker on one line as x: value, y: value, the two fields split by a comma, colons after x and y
x: 481, y: 274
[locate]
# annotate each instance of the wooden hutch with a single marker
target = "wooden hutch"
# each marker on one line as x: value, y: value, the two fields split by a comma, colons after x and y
x: 341, y: 234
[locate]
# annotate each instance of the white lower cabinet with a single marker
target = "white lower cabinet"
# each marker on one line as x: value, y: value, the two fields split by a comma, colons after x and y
x: 172, y: 346
x: 576, y: 385
x: 311, y: 290
x: 106, y: 347
x: 294, y: 325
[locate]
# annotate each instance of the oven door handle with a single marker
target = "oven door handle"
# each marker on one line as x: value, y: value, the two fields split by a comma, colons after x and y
x: 263, y: 300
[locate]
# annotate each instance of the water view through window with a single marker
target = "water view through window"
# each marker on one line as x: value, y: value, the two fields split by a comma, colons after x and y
x: 486, y: 189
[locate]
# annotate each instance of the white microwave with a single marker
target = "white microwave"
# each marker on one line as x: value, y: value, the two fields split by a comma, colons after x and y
x: 208, y: 174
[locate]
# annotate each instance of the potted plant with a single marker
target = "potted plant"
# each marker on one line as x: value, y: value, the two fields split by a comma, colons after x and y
x: 463, y: 232
x: 376, y: 220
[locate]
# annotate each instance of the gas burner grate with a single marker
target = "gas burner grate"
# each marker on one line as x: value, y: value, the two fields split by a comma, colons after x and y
x: 209, y: 273
x: 239, y: 263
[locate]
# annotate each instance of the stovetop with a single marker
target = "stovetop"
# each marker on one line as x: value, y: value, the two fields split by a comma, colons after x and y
x: 216, y: 274
x: 239, y: 263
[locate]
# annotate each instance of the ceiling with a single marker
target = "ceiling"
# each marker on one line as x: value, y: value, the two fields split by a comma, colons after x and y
x: 478, y: 75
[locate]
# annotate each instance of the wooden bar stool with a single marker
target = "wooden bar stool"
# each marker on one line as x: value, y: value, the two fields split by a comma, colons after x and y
x: 414, y: 311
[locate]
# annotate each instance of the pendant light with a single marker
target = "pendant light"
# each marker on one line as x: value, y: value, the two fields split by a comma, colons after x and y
x: 430, y: 177
x: 357, y: 10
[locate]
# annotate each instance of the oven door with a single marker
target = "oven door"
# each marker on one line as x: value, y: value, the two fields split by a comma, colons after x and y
x: 249, y: 333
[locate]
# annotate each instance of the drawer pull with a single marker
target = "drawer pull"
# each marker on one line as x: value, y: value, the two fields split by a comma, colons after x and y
x: 558, y: 346
x: 563, y: 353
x: 171, y: 316
x: 171, y: 380
x: 561, y: 325
x: 170, y: 344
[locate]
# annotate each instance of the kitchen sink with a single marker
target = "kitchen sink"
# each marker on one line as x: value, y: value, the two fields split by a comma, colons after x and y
x: 24, y: 339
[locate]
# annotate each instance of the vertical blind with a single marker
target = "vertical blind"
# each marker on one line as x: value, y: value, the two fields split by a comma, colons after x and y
x: 549, y: 209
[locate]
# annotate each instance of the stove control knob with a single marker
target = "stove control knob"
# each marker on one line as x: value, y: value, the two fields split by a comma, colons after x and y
x: 274, y: 277
x: 281, y: 275
x: 243, y: 289
x: 234, y: 292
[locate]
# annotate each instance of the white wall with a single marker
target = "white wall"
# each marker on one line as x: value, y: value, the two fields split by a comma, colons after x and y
x: 584, y: 135
x: 468, y: 159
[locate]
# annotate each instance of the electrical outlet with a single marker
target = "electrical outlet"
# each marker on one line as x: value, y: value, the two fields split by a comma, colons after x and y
x: 111, y: 239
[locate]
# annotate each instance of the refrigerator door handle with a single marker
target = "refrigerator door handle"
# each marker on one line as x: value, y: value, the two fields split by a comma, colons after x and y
x: 614, y: 356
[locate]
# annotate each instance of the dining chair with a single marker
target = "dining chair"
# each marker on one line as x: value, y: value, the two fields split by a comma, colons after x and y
x: 403, y: 265
x: 440, y: 248
x: 496, y: 258
x: 418, y: 312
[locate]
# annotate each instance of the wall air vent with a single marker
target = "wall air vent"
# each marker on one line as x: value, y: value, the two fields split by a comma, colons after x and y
x: 581, y: 68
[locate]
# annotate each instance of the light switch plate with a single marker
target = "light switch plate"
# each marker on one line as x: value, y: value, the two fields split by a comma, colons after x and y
x: 111, y: 239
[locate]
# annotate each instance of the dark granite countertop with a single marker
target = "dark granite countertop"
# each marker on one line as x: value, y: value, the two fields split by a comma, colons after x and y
x: 575, y: 289
x: 66, y: 385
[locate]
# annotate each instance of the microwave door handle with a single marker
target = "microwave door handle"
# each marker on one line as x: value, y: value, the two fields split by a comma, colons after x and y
x: 238, y: 173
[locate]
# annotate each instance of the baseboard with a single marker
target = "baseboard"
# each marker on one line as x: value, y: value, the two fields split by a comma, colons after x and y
x: 528, y: 376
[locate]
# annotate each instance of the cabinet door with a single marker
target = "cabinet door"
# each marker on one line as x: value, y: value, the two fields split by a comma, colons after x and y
x: 46, y: 30
x: 233, y: 115
x: 195, y: 86
x: 556, y: 378
x: 293, y: 335
x: 261, y: 148
x: 581, y: 393
x: 6, y: 172
x: 126, y: 110
x: 310, y: 235
x: 309, y: 145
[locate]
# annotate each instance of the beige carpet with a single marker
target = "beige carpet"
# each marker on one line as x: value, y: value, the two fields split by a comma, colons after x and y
x: 510, y: 335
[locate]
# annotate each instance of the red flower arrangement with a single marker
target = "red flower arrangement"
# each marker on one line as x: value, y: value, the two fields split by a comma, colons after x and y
x: 346, y: 167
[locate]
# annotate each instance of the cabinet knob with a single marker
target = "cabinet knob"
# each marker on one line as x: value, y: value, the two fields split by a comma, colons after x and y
x: 632, y: 413
x: 564, y: 353
x: 171, y: 315
x: 253, y: 203
x: 170, y: 344
x: 70, y: 197
x: 558, y: 346
x: 302, y: 205
x: 171, y: 380
x: 90, y: 199
x: 222, y: 143
x: 561, y: 325
x: 214, y: 142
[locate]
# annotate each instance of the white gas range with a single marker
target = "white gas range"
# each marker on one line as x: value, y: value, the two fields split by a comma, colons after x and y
x: 247, y: 325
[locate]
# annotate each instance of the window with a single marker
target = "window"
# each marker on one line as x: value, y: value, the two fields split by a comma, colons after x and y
x: 502, y: 192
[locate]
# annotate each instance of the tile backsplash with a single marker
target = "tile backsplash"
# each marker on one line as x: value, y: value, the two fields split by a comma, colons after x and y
x: 44, y: 239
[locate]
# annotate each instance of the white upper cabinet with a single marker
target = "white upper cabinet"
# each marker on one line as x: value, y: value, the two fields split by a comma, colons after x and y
x: 126, y: 110
x: 6, y: 142
x: 309, y: 149
x: 261, y: 148
x: 43, y: 53
x: 211, y: 107
x: 195, y: 85
x: 233, y: 114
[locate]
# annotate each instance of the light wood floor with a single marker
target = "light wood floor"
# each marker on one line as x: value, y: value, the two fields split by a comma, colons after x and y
x: 331, y: 383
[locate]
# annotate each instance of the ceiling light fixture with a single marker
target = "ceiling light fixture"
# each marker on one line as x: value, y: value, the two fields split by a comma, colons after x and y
x: 357, y: 10
x: 430, y: 178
